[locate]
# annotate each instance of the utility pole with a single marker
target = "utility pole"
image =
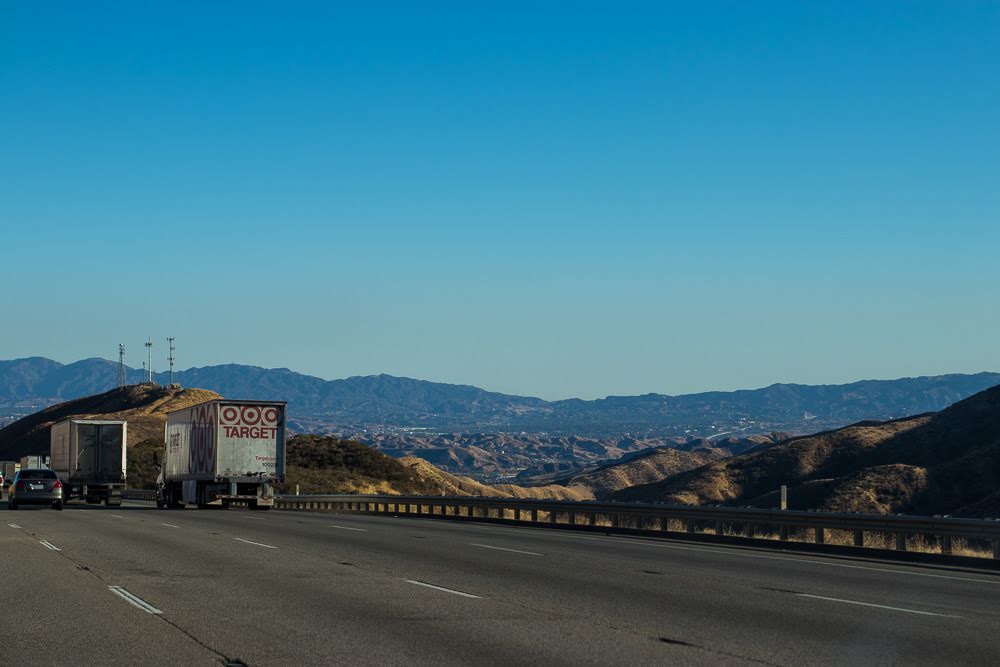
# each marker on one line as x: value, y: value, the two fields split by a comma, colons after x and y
x: 149, y: 359
x: 121, y: 365
x: 170, y: 359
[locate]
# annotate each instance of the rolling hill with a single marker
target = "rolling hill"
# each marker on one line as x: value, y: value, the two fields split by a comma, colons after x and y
x: 145, y: 408
x: 941, y: 463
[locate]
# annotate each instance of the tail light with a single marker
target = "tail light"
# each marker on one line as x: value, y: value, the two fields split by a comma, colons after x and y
x: 57, y: 485
x: 20, y: 484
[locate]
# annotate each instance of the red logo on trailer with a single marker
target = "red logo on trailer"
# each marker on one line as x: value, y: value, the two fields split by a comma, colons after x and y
x: 250, y: 421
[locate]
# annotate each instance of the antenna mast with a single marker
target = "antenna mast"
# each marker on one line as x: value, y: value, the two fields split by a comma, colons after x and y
x: 170, y: 359
x: 149, y: 359
x: 121, y: 365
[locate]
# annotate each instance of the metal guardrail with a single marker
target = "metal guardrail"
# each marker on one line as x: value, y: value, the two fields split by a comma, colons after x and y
x: 665, y: 518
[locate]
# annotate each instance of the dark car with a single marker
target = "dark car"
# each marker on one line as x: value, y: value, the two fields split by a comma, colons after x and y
x: 35, y: 486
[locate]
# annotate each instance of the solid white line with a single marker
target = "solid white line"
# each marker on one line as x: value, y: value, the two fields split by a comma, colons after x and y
x: 13, y: 525
x: 49, y: 545
x: 169, y: 525
x: 783, y: 558
x: 877, y: 606
x: 240, y: 539
x: 441, y: 588
x: 361, y: 530
x: 513, y: 551
x: 134, y: 600
x: 117, y: 516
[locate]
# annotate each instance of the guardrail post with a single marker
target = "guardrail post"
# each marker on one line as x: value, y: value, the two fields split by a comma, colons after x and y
x: 689, y: 525
x: 859, y: 538
x: 534, y: 516
x: 900, y: 541
x: 996, y: 549
x: 946, y: 545
x: 592, y: 518
x: 820, y: 535
x: 615, y: 520
x: 783, y: 533
x: 664, y: 524
x: 552, y: 516
x: 572, y: 518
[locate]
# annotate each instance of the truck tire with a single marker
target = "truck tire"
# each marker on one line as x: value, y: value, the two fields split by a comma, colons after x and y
x: 173, y: 502
x: 57, y: 505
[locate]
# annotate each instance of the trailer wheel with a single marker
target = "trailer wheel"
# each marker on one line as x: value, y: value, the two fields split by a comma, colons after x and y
x: 172, y: 501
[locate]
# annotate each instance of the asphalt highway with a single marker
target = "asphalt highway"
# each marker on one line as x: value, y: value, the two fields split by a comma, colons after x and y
x: 134, y: 585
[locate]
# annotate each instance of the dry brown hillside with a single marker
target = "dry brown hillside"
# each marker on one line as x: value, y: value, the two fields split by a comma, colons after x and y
x: 940, y: 463
x: 644, y: 468
x: 145, y: 407
x: 452, y: 485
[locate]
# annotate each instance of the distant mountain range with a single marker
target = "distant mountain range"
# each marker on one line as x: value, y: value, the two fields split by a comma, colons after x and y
x: 384, y: 403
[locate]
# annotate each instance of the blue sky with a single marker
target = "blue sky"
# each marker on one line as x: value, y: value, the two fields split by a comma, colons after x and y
x: 556, y: 199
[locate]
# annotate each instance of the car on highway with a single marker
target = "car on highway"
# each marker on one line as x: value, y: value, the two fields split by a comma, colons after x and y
x: 35, y: 486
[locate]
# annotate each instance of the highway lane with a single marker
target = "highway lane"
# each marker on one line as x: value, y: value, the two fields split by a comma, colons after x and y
x: 311, y: 588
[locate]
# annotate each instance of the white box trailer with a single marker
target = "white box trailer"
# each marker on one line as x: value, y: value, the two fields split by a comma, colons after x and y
x: 223, y: 451
x: 34, y: 461
x: 8, y: 469
x: 89, y: 456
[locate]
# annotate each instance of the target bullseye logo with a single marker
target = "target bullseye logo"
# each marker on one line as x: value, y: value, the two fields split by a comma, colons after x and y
x: 249, y: 415
x: 230, y: 414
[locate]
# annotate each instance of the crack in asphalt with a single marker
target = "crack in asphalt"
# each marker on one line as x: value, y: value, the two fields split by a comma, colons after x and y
x: 222, y: 657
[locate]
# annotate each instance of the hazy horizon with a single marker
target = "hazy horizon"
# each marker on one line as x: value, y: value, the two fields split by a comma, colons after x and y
x: 552, y: 201
x: 180, y: 369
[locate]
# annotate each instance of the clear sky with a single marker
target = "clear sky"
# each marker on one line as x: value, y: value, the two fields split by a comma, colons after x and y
x: 556, y: 199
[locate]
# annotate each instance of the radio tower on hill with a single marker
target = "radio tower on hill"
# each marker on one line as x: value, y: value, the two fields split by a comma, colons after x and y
x: 121, y: 365
x: 170, y: 360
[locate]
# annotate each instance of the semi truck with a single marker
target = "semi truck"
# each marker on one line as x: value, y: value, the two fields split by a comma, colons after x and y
x: 223, y: 451
x: 34, y: 461
x: 88, y: 456
x: 8, y: 469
